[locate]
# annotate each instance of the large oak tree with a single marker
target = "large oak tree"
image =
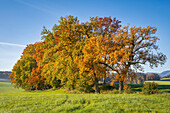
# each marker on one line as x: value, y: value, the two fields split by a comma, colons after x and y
x: 130, y: 49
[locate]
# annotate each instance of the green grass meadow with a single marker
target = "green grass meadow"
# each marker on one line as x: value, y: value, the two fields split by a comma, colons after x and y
x: 6, y: 87
x: 13, y: 100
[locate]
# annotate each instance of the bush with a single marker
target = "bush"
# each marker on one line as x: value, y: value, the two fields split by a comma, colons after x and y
x: 56, y: 83
x: 115, y: 91
x: 106, y: 87
x: 84, y: 86
x: 150, y: 88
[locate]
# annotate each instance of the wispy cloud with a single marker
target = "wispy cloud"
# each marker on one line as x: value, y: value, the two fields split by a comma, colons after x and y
x: 11, y: 44
x: 36, y: 7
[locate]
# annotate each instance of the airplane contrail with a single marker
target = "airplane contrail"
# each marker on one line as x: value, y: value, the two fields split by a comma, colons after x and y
x: 12, y: 44
x: 36, y: 7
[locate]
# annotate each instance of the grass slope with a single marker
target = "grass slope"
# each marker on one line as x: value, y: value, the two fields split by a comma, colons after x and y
x: 58, y: 101
x: 6, y: 87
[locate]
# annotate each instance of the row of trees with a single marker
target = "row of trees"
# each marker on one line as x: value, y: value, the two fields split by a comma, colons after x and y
x: 141, y: 78
x: 167, y: 76
x: 78, y: 54
x: 153, y: 76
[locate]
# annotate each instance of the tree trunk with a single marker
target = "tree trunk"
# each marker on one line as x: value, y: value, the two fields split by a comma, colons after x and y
x: 120, y: 86
x: 96, y: 86
x: 72, y: 86
x: 104, y: 82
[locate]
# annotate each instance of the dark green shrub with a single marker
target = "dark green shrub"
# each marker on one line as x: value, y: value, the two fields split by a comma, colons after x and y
x: 150, y: 88
x: 115, y: 91
x: 106, y: 87
x: 56, y: 83
x: 83, y: 85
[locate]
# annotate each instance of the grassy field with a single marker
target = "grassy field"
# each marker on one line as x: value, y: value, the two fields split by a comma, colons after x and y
x: 17, y: 100
x: 163, y: 81
x: 6, y: 87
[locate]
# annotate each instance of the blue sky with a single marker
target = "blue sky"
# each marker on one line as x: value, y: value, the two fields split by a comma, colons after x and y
x: 21, y: 21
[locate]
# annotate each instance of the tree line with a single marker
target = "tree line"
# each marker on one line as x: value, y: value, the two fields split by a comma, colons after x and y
x: 78, y: 55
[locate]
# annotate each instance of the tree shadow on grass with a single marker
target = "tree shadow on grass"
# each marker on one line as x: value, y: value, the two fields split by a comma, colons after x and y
x: 135, y: 87
x: 138, y: 87
x: 164, y: 88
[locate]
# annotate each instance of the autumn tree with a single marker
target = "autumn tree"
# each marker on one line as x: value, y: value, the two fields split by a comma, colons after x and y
x: 37, y: 79
x: 58, y: 60
x: 73, y: 36
x: 26, y: 73
x: 23, y: 68
x: 86, y: 51
x: 132, y: 48
x: 167, y: 76
x: 153, y: 76
x: 89, y: 62
x: 107, y: 27
x: 47, y: 62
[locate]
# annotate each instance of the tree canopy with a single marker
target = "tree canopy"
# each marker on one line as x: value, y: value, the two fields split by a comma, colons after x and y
x: 75, y: 54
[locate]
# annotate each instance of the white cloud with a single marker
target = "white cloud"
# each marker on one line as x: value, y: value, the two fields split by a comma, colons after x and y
x: 36, y: 7
x: 11, y: 44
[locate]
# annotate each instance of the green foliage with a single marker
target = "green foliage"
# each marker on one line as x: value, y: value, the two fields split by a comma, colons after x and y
x: 115, y: 91
x: 107, y: 87
x: 22, y: 71
x: 84, y: 85
x: 150, y: 88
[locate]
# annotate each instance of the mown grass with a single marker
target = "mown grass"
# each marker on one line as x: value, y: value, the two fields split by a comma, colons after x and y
x: 59, y: 101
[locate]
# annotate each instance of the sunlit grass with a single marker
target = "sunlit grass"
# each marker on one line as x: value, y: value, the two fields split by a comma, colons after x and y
x: 165, y: 79
x: 56, y: 102
x: 161, y: 82
x: 8, y: 88
x: 59, y: 101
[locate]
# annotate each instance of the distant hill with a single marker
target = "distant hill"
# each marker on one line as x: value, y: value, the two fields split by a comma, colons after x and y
x: 165, y: 73
x: 4, y: 76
